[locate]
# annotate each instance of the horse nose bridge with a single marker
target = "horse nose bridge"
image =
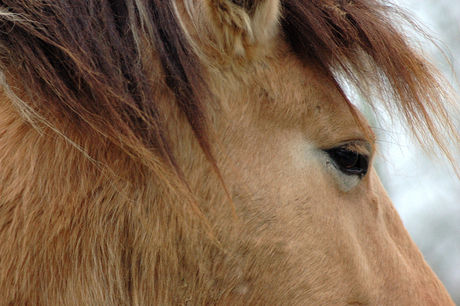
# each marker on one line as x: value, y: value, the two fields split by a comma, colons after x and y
x: 387, y: 261
x: 386, y: 270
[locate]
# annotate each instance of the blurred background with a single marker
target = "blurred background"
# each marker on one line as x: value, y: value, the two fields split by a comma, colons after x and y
x: 427, y: 192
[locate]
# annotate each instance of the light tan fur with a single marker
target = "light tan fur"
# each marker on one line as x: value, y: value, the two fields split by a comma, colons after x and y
x: 90, y: 219
x: 234, y: 32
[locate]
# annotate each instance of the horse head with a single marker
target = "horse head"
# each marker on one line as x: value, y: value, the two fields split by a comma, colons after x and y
x: 182, y: 152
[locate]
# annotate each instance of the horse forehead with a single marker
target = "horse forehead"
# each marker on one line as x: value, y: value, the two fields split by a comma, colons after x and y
x: 288, y: 91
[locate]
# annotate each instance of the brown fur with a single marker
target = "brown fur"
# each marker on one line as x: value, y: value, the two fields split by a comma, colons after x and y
x: 171, y: 153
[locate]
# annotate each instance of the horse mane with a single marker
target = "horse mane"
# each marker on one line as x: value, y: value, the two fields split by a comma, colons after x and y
x: 362, y: 40
x: 85, y: 60
x: 88, y: 65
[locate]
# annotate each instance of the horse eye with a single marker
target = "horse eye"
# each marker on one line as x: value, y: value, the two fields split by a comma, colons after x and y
x: 348, y: 161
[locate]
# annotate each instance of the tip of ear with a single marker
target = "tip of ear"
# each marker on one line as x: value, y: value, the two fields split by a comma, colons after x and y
x: 242, y: 26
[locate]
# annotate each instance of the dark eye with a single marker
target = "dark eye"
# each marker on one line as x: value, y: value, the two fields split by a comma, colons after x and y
x: 348, y: 161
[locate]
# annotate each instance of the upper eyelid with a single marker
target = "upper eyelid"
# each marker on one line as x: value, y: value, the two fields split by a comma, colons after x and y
x: 359, y: 146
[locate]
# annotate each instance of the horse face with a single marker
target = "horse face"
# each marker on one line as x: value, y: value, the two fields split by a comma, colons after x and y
x: 313, y: 224
x: 111, y: 155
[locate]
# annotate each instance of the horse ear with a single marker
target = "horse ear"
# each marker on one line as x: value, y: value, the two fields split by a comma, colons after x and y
x: 241, y: 25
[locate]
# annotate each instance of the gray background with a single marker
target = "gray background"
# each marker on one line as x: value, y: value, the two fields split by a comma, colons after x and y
x: 427, y: 192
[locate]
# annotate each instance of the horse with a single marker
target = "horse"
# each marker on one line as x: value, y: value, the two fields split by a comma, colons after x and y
x: 184, y: 152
